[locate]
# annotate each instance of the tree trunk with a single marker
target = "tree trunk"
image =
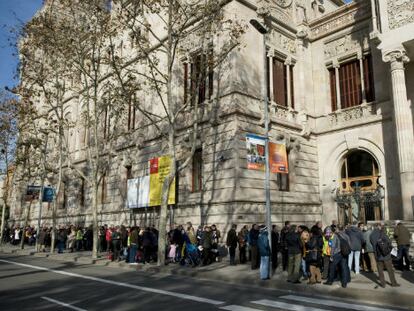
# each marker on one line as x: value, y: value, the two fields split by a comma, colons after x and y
x: 3, y: 216
x: 26, y: 219
x: 95, y: 222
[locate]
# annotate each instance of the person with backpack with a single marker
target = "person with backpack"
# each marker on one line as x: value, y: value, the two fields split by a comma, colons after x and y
x: 340, y: 250
x: 382, y: 249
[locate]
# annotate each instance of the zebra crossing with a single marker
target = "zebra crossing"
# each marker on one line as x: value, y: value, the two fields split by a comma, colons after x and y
x: 302, y: 303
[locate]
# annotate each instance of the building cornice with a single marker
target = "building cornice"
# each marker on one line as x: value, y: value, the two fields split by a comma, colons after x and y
x: 343, y: 17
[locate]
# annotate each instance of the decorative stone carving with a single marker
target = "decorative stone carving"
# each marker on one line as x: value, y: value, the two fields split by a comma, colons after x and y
x: 284, y: 3
x: 283, y: 42
x: 395, y: 57
x: 352, y: 114
x: 332, y: 25
x: 282, y: 11
x: 351, y: 42
x: 301, y: 11
x: 400, y: 13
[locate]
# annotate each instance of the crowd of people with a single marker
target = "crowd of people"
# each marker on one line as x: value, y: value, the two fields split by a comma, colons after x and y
x: 313, y: 254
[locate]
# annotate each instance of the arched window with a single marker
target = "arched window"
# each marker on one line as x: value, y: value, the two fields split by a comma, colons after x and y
x: 359, y: 169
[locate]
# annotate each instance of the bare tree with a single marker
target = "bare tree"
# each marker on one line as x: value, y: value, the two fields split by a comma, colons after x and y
x: 8, y: 136
x: 163, y: 33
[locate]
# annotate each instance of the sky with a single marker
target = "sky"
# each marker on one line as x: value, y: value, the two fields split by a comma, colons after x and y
x: 12, y: 13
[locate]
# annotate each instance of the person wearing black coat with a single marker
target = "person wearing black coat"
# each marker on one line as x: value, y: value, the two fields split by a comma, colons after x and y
x: 314, y: 255
x: 383, y: 260
x: 275, y: 247
x: 294, y: 249
x: 253, y: 237
x: 232, y: 244
x: 283, y: 246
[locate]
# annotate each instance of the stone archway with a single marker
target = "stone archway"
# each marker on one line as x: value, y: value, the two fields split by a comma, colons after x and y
x: 330, y: 170
x: 359, y: 195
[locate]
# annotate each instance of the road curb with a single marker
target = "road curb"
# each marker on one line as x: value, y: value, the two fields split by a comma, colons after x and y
x: 388, y: 296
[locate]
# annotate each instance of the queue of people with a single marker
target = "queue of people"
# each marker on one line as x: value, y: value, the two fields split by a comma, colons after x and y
x: 313, y: 254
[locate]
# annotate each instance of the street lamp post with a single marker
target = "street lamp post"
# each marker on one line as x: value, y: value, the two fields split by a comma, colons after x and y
x: 263, y: 30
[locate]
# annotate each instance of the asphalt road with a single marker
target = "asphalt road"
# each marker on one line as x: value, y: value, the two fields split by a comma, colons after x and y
x: 28, y: 283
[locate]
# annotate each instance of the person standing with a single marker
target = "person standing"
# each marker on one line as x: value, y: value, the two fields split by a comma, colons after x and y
x: 133, y: 240
x: 116, y: 243
x: 231, y: 243
x: 283, y: 245
x: 402, y: 237
x: 264, y: 253
x: 338, y: 259
x: 326, y: 251
x: 242, y: 239
x: 207, y: 243
x: 275, y: 247
x: 369, y: 251
x: 294, y: 248
x: 253, y: 237
x: 382, y: 248
x: 357, y: 240
x: 314, y: 255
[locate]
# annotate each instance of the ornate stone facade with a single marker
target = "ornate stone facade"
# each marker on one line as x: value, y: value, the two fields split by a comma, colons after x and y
x: 319, y: 136
x: 400, y: 13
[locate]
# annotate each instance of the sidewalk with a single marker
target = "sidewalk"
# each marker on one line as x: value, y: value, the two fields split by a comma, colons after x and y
x: 362, y: 286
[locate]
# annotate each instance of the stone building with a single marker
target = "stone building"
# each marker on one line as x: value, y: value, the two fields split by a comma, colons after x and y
x: 341, y: 99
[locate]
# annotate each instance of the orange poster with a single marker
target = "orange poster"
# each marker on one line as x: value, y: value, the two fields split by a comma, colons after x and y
x: 278, y: 158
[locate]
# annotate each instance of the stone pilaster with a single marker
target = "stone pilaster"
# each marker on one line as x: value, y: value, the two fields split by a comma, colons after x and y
x: 404, y: 127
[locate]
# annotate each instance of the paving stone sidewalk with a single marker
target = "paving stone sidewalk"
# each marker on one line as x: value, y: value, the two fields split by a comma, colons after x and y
x: 363, y: 286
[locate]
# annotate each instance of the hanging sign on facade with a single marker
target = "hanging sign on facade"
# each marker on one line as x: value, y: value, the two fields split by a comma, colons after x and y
x: 255, y: 152
x: 278, y: 157
x: 138, y: 192
x: 160, y: 168
x: 256, y: 159
x: 147, y: 190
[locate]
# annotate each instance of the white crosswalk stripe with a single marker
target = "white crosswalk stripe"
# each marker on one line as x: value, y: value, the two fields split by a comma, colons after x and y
x: 238, y: 308
x: 285, y: 306
x: 335, y: 303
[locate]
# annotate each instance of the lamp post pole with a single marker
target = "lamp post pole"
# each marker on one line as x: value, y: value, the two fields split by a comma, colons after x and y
x: 262, y: 29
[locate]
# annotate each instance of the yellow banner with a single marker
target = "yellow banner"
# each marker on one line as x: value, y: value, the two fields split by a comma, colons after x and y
x: 159, y: 170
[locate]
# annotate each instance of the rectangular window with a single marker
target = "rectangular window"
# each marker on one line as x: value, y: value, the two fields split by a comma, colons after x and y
x: 131, y: 112
x: 202, y: 78
x: 197, y: 170
x: 106, y: 123
x: 332, y: 81
x: 280, y: 82
x: 104, y: 189
x: 369, y: 78
x: 82, y: 193
x: 350, y: 83
x: 283, y: 182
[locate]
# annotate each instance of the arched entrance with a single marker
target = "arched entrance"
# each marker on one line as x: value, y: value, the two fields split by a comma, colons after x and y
x: 359, y: 194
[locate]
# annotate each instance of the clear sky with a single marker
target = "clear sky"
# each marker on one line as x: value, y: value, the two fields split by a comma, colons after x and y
x: 12, y: 13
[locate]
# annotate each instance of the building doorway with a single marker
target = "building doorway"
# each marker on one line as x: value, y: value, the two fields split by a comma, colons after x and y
x: 359, y: 195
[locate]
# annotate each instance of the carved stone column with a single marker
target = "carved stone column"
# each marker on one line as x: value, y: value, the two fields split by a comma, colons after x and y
x: 288, y: 63
x: 270, y: 56
x: 338, y: 86
x: 361, y: 70
x: 404, y: 127
x: 302, y: 36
